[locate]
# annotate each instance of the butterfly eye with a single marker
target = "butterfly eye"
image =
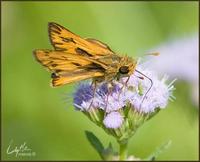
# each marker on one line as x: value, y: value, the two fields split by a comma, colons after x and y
x: 53, y: 75
x: 124, y: 70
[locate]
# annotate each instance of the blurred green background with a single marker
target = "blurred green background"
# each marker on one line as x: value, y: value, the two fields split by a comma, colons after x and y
x: 45, y: 119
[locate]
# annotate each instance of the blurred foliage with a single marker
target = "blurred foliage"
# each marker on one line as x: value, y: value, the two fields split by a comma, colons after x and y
x: 44, y: 117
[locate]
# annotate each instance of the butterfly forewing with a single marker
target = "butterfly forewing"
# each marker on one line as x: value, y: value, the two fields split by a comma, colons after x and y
x: 64, y: 40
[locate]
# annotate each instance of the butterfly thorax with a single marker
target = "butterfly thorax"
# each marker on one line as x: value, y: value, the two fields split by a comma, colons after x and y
x: 118, y: 67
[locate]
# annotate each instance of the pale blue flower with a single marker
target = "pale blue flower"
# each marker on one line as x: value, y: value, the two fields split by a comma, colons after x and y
x: 110, y: 102
x: 157, y: 97
x: 82, y: 96
x: 113, y: 120
x: 123, y: 94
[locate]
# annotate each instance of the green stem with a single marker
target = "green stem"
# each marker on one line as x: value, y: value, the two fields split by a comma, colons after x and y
x: 123, y: 149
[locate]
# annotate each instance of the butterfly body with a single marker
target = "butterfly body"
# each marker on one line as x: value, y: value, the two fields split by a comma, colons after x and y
x: 75, y: 59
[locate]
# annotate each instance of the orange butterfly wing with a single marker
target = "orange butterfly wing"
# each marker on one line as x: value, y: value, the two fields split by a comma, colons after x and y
x: 68, y: 68
x: 73, y: 77
x: 64, y: 40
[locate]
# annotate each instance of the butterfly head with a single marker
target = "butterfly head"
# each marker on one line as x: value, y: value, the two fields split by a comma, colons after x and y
x: 127, y: 66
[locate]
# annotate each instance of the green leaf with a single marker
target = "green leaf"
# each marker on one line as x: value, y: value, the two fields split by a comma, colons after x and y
x: 95, y: 142
x: 158, y: 151
x: 153, y: 113
x: 108, y: 152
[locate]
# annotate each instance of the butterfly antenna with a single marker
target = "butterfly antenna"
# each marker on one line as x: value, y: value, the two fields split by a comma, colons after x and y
x: 149, y: 87
x: 153, y: 54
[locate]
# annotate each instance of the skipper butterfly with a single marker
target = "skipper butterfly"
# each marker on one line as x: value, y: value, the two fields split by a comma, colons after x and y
x: 74, y: 58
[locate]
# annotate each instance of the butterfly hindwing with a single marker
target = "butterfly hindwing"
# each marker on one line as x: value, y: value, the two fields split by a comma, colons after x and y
x: 67, y: 78
x: 68, y: 68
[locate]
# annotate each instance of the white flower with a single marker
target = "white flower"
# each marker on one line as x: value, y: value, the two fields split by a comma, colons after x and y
x: 157, y: 96
x: 113, y: 120
x: 180, y: 59
x: 144, y: 93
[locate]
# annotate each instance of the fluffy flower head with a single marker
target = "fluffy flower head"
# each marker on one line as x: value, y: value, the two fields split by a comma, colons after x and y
x: 119, y: 103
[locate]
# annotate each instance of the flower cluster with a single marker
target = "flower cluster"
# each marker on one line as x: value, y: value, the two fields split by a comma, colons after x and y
x: 122, y: 106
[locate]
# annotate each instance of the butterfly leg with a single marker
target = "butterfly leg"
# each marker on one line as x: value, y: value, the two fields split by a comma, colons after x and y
x: 94, y: 83
x: 110, y: 87
x: 124, y: 85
